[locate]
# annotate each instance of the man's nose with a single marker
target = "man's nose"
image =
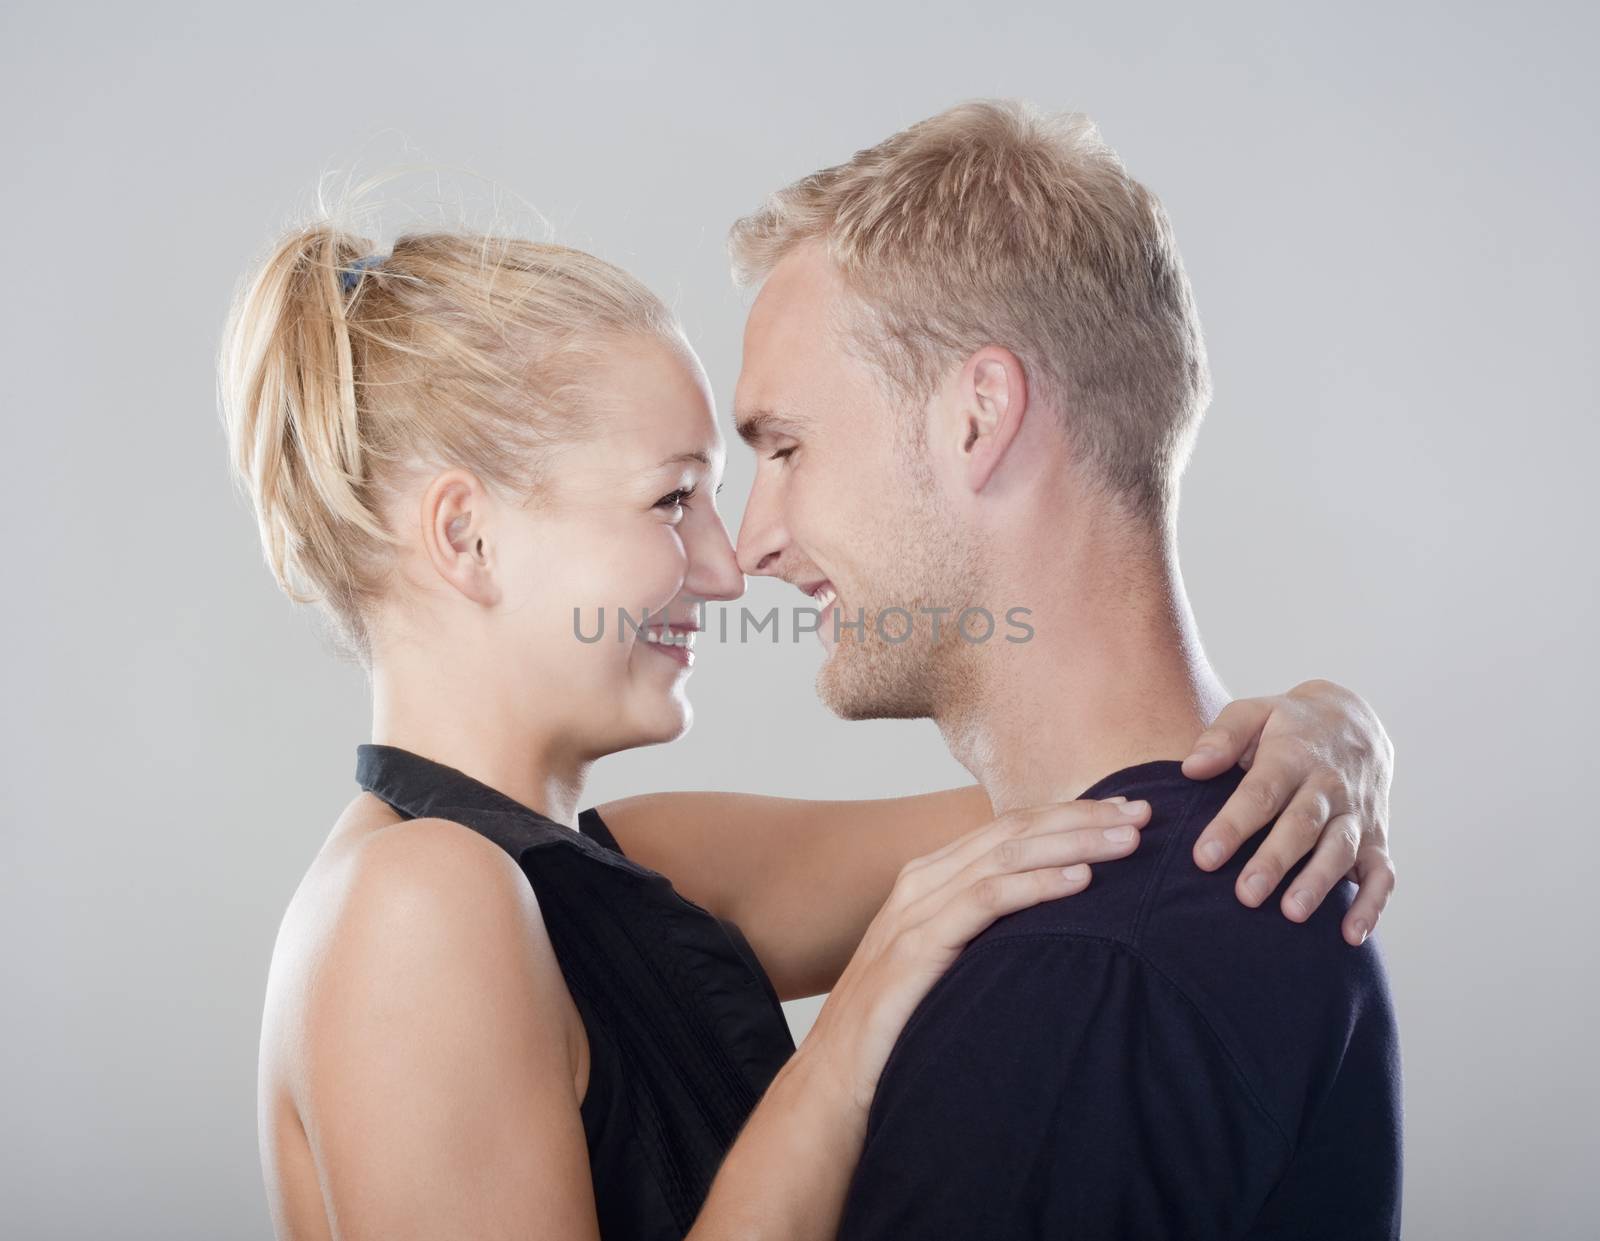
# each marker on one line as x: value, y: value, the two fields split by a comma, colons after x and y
x: 762, y: 536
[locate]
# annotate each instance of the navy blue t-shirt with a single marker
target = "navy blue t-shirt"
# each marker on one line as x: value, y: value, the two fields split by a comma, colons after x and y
x: 1147, y: 1059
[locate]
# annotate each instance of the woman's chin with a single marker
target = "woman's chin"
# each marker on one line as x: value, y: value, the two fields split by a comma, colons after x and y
x: 669, y: 721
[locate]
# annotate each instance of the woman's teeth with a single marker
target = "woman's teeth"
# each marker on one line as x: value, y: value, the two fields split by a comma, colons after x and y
x: 668, y: 638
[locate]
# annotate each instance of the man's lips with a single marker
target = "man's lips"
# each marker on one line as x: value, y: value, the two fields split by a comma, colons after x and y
x: 822, y: 590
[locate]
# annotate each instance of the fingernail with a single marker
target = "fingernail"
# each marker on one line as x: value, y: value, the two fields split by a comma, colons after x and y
x: 1302, y: 902
x: 1119, y: 797
x: 1255, y: 887
x: 1136, y: 807
x: 1361, y: 929
x: 1119, y: 834
x: 1211, y: 854
x: 1075, y: 873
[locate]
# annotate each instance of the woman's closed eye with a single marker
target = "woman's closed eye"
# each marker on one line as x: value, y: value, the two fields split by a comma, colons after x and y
x: 781, y: 454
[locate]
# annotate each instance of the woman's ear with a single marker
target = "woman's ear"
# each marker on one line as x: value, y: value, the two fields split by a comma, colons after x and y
x: 992, y: 398
x: 458, y: 535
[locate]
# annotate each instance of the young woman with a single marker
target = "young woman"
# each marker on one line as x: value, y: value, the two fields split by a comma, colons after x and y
x: 488, y: 1015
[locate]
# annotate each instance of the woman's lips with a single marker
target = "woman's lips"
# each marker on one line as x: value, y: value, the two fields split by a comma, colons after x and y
x: 676, y: 642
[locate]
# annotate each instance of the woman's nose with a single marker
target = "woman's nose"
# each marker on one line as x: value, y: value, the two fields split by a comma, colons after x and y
x: 714, y: 570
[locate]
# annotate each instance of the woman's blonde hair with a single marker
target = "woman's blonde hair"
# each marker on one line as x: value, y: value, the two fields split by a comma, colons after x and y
x: 994, y: 223
x: 455, y: 349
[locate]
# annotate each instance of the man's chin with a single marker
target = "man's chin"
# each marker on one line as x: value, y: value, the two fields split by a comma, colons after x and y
x: 856, y: 693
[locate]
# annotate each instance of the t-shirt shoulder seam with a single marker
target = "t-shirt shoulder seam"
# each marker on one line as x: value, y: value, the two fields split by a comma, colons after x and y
x: 1122, y: 945
x: 1141, y: 915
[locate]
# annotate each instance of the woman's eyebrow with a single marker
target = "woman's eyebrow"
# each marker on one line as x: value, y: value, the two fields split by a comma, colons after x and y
x: 681, y: 458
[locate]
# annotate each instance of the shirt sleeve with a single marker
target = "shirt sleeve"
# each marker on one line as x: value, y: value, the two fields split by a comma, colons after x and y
x: 1060, y: 1087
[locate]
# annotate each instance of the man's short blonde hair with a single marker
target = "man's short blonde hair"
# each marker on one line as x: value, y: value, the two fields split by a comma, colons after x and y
x: 994, y: 223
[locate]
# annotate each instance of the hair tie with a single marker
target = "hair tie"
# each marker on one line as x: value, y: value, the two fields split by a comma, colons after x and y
x: 351, y: 275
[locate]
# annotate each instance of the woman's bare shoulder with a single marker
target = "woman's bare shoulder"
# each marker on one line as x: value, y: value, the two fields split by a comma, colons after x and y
x: 393, y: 915
x: 384, y: 891
x: 413, y: 951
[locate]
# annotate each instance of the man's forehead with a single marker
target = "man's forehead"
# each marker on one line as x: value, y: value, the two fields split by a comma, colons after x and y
x: 796, y: 293
x: 786, y: 342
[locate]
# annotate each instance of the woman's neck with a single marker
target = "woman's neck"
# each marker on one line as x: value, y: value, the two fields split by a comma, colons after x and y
x: 455, y: 720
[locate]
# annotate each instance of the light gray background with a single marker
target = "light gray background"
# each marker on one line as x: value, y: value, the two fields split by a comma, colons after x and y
x: 1387, y: 215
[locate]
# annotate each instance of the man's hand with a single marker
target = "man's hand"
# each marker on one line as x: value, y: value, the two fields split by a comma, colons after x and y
x: 1320, y: 763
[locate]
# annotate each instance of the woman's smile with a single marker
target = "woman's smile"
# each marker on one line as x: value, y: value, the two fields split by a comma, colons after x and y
x: 676, y: 642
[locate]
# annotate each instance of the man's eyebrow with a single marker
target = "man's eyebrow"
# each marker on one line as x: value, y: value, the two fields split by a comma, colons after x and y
x: 760, y: 424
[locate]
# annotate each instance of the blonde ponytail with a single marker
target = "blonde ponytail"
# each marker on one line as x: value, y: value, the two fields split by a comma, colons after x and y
x: 457, y: 349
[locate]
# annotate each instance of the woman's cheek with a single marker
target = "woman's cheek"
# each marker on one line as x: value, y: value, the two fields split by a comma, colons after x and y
x: 633, y: 567
x: 667, y: 566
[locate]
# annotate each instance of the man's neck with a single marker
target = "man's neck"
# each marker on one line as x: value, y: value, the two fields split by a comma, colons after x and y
x: 1114, y: 674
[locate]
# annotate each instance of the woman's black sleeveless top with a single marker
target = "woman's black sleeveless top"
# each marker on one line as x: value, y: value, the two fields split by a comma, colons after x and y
x: 685, y: 1030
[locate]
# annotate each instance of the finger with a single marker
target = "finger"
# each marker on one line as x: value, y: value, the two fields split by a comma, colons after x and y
x: 1223, y: 744
x: 978, y: 904
x: 1019, y: 853
x: 1260, y: 798
x: 1375, y: 880
x: 1050, y: 816
x: 925, y: 874
x: 1330, y: 862
x: 1293, y: 836
x: 1036, y: 855
x: 927, y: 883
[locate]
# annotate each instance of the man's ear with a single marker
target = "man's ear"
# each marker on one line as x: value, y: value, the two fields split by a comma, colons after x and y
x: 992, y: 398
x: 458, y: 534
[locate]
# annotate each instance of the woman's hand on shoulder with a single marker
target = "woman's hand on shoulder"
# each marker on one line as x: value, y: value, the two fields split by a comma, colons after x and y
x: 437, y: 1086
x: 939, y: 903
x: 1319, y: 765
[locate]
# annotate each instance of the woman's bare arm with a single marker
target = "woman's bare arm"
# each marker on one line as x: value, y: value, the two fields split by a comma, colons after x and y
x: 437, y: 1089
x: 803, y: 878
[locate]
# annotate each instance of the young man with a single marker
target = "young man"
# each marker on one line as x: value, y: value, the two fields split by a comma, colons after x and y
x: 973, y: 374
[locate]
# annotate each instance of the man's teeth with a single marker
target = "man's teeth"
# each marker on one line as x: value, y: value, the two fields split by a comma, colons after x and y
x: 825, y: 597
x: 668, y: 638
